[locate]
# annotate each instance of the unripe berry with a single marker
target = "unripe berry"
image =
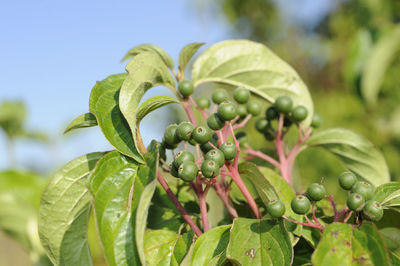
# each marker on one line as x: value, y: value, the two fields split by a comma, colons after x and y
x: 168, y: 146
x: 316, y: 120
x: 226, y: 110
x: 202, y: 134
x: 219, y: 95
x: 373, y: 210
x: 300, y: 204
x: 283, y: 104
x: 316, y: 192
x: 241, y: 110
x: 184, y: 131
x: 183, y: 156
x: 271, y: 113
x: 299, y: 113
x: 170, y: 136
x: 217, y: 156
x: 174, y: 170
x: 355, y: 202
x: 209, y: 168
x: 276, y: 208
x: 363, y: 188
x: 347, y: 180
x: 203, y: 102
x: 187, y: 171
x: 261, y: 125
x: 253, y: 108
x: 229, y: 150
x: 215, y: 122
x: 241, y: 95
x: 185, y: 87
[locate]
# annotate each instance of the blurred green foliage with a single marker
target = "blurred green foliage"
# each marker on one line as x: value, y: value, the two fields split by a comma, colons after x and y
x: 350, y: 61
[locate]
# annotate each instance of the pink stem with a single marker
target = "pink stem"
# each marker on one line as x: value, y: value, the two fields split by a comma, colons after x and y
x: 335, y: 212
x: 203, y: 112
x: 225, y: 199
x: 243, y: 123
x: 313, y: 214
x: 189, y: 112
x: 318, y: 226
x: 178, y: 205
x: 347, y: 217
x: 203, y: 209
x: 285, y: 169
x: 262, y: 156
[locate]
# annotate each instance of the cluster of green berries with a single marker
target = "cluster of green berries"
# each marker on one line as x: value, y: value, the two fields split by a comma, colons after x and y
x: 360, y: 197
x: 301, y: 203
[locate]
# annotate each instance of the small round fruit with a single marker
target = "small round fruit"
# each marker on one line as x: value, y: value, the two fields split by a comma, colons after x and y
x: 183, y: 156
x: 300, y: 204
x: 271, y: 113
x: 219, y: 95
x: 373, y: 210
x: 253, y: 108
x: 209, y: 168
x: 203, y: 102
x: 214, y: 122
x: 226, y: 110
x: 170, y: 136
x: 276, y: 208
x: 241, y: 136
x: 283, y: 104
x: 316, y: 120
x: 229, y: 150
x: 184, y: 131
x: 192, y: 142
x: 241, y: 110
x: 347, y: 180
x: 299, y: 113
x: 187, y: 171
x: 355, y: 202
x: 202, y: 134
x: 161, y: 151
x: 206, y: 147
x: 363, y: 188
x: 241, y: 95
x: 185, y: 87
x: 168, y: 146
x: 261, y: 125
x: 316, y: 192
x: 217, y: 156
x: 174, y: 170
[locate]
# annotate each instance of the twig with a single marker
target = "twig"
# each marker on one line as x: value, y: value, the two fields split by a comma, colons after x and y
x: 262, y: 156
x: 318, y: 226
x: 243, y: 123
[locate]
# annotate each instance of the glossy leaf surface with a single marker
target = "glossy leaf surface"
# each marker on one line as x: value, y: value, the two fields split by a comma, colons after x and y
x: 85, y: 120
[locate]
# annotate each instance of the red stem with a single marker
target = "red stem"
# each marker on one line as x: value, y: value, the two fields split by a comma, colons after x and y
x: 318, y: 226
x: 243, y: 123
x: 203, y: 209
x: 203, y: 112
x: 262, y: 156
x: 335, y: 212
x: 178, y: 205
x: 189, y: 112
x: 222, y: 193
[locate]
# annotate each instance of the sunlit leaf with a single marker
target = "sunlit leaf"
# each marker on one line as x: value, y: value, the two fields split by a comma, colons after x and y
x: 187, y: 53
x: 85, y: 120
x: 389, y: 195
x: 152, y: 104
x: 150, y: 48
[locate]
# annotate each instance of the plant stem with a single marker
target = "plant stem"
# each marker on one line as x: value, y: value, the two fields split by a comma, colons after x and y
x: 178, y: 205
x: 309, y: 224
x: 335, y: 212
x: 189, y: 112
x: 204, y: 113
x: 203, y: 208
x: 243, y: 123
x: 222, y: 193
x: 262, y: 156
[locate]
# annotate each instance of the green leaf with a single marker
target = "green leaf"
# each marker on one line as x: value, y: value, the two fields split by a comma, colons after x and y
x: 168, y: 61
x: 104, y: 104
x: 354, y: 151
x: 187, y: 53
x: 12, y: 117
x: 152, y: 104
x: 254, y: 66
x: 210, y: 245
x: 392, y: 237
x: 85, y: 120
x: 388, y: 195
x: 64, y: 213
x: 152, y: 158
x: 259, y: 242
x: 145, y: 72
x: 343, y: 245
x: 377, y: 63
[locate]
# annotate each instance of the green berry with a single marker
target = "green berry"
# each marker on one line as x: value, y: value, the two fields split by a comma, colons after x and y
x: 219, y: 95
x: 168, y: 146
x: 299, y: 113
x: 300, y: 204
x: 316, y: 120
x: 241, y: 110
x: 347, y: 180
x: 184, y: 131
x: 276, y: 208
x: 373, y: 210
x: 253, y: 108
x: 241, y: 95
x: 174, y: 170
x: 217, y: 156
x: 355, y: 202
x: 209, y: 168
x: 363, y: 188
x: 185, y: 87
x: 192, y: 141
x: 271, y: 113
x: 214, y: 122
x: 241, y: 136
x: 202, y: 134
x: 206, y: 147
x: 226, y: 110
x: 316, y: 192
x: 229, y: 150
x: 183, y: 156
x: 261, y: 125
x: 187, y: 171
x: 283, y: 104
x: 203, y: 102
x: 161, y: 151
x: 170, y: 136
